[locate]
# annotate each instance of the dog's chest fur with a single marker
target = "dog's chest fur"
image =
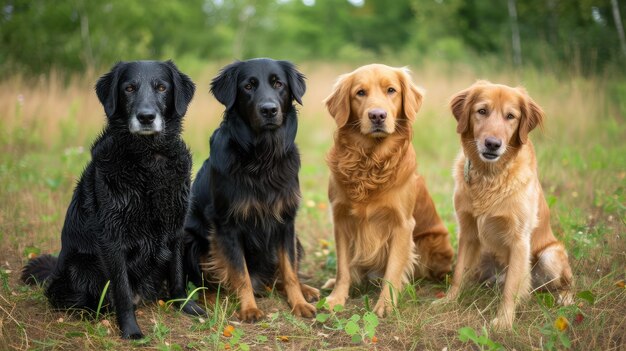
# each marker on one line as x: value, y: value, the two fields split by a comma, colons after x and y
x: 366, y: 173
x: 489, y: 192
x: 147, y: 188
x: 270, y: 192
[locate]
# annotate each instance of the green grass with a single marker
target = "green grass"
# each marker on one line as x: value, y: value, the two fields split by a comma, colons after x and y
x: 46, y: 128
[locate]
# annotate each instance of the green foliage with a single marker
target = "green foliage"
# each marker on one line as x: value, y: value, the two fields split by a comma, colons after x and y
x: 102, y: 295
x: 37, y: 36
x: 358, y: 327
x: 4, y: 280
x: 587, y: 296
x: 482, y: 341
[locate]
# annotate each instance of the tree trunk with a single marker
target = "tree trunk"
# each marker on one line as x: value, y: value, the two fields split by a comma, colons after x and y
x: 517, y: 47
x: 619, y: 26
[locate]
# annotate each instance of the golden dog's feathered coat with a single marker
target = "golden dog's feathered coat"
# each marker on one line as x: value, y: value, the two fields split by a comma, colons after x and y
x: 501, y: 211
x: 375, y: 194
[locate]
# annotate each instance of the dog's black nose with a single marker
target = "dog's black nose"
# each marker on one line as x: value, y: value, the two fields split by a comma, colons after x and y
x: 146, y: 117
x: 377, y: 116
x: 492, y: 143
x: 269, y: 110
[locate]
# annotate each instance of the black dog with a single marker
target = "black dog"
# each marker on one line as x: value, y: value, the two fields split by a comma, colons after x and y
x: 240, y: 228
x: 125, y: 221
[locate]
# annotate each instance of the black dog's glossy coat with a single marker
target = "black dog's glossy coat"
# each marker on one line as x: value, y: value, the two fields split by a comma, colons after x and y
x: 253, y: 159
x: 125, y: 220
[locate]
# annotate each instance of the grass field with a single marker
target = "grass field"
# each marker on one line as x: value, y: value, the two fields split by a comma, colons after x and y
x: 47, y: 125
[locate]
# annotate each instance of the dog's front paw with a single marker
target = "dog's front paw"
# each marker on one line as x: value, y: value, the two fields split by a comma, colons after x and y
x: 566, y: 298
x: 131, y: 331
x: 333, y: 300
x: 129, y: 327
x: 383, y: 308
x: 305, y: 310
x: 192, y: 308
x: 502, y: 323
x: 310, y: 293
x: 250, y: 315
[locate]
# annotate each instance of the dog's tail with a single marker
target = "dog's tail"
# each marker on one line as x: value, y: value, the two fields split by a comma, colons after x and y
x: 38, y: 269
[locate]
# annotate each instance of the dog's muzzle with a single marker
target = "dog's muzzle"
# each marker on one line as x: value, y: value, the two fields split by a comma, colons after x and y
x: 146, y: 123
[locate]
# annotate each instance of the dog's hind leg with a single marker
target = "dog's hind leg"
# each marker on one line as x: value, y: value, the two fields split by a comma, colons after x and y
x: 77, y: 282
x: 552, y: 272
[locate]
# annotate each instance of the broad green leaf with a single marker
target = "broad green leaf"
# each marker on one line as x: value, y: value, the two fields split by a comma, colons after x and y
x: 587, y: 296
x: 351, y: 328
x: 565, y: 341
x: 321, y: 303
x: 466, y: 334
x: 322, y: 317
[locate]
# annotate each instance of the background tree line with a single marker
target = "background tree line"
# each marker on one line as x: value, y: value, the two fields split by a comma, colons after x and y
x: 73, y: 35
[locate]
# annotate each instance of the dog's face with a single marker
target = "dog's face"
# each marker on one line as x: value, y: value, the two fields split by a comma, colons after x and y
x: 259, y: 90
x: 144, y: 95
x: 373, y: 99
x: 496, y: 117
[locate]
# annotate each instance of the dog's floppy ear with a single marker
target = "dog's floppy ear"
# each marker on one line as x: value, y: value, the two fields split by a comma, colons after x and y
x: 106, y: 88
x: 295, y: 80
x: 411, y: 95
x: 462, y: 102
x: 338, y: 102
x: 532, y: 116
x: 457, y: 105
x: 184, y: 88
x: 224, y: 85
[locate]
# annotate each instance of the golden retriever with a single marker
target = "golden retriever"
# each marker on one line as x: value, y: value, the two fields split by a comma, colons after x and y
x: 500, y: 208
x: 385, y: 222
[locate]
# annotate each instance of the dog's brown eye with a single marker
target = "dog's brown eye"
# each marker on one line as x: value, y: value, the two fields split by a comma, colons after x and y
x: 361, y: 92
x: 161, y: 87
x: 248, y: 86
x: 130, y: 88
x: 277, y: 85
x: 391, y: 91
x: 510, y: 116
x: 482, y: 111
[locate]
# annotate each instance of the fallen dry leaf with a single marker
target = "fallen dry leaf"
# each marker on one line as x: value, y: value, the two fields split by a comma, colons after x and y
x: 283, y: 338
x: 620, y: 284
x: 579, y: 318
x: 561, y: 323
x: 228, y: 331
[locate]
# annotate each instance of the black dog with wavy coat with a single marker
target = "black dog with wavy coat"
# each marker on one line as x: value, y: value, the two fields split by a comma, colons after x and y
x: 240, y: 229
x: 124, y: 223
